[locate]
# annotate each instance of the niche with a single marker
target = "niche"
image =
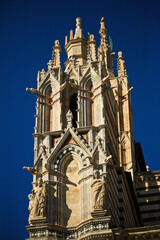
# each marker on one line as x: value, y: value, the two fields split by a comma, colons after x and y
x: 71, y: 205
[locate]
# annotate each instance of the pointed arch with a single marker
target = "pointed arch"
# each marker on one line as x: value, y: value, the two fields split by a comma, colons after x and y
x: 49, y: 93
x: 68, y: 163
x: 87, y: 101
x: 45, y: 106
x: 58, y: 162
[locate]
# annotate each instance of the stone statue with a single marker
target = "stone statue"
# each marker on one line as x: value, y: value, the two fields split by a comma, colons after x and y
x: 99, y: 191
x: 69, y: 117
x: 30, y: 207
x: 37, y: 204
x: 98, y: 141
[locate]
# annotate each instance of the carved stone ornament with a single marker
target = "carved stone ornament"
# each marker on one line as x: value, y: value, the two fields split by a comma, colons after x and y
x: 89, y: 59
x: 121, y: 65
x: 72, y: 61
x: 32, y: 170
x: 69, y: 117
x: 99, y: 192
x: 42, y: 150
x: 37, y: 203
x: 98, y: 140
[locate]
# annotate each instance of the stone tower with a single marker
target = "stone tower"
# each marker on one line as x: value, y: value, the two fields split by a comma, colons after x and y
x: 85, y: 157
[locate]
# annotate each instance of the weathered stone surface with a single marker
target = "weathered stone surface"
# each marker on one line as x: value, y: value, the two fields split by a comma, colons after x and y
x: 90, y: 180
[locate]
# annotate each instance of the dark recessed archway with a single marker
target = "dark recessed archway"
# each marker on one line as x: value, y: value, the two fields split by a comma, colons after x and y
x: 73, y: 107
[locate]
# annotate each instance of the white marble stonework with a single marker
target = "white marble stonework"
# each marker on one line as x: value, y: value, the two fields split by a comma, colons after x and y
x: 90, y: 180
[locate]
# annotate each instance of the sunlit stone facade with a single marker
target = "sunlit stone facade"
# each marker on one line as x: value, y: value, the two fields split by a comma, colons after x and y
x: 90, y: 180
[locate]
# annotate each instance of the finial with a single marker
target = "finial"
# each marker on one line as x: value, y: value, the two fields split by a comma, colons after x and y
x: 78, y: 31
x: 78, y: 22
x: 71, y: 34
x: 55, y: 62
x: 103, y: 23
x: 103, y: 30
x: 103, y: 48
x: 91, y: 37
x: 120, y: 54
x: 91, y: 47
x: 66, y: 40
x: 121, y: 65
x: 56, y: 43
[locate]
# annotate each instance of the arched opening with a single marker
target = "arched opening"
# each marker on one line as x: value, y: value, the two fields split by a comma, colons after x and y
x: 73, y: 107
x: 90, y: 105
x: 48, y: 110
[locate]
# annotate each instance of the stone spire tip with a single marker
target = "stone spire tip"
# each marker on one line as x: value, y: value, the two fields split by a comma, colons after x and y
x: 103, y: 30
x: 120, y: 54
x: 78, y: 32
x: 78, y: 22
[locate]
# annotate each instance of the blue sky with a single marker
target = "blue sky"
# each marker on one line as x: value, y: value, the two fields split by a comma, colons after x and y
x: 28, y: 31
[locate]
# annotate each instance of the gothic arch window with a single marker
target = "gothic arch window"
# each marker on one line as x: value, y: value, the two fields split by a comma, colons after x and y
x: 48, y: 110
x: 73, y: 107
x: 90, y: 105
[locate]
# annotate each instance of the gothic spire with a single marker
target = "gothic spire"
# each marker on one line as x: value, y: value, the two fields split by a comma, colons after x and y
x: 103, y: 48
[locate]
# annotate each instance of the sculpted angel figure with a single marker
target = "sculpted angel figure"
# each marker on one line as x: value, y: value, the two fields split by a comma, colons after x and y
x: 99, y: 191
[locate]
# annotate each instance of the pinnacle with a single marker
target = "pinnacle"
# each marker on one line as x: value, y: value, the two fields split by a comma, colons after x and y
x: 78, y: 22
x: 120, y: 54
x: 103, y: 30
x: 78, y: 30
x: 102, y: 23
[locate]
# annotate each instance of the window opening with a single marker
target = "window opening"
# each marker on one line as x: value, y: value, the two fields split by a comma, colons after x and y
x: 73, y: 107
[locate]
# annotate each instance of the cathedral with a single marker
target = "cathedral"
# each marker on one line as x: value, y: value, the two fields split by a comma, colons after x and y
x: 90, y: 180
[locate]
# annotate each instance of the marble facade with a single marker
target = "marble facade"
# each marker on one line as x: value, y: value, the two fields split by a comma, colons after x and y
x: 90, y: 180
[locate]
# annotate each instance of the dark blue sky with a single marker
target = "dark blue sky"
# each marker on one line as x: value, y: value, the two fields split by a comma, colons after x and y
x: 28, y: 31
